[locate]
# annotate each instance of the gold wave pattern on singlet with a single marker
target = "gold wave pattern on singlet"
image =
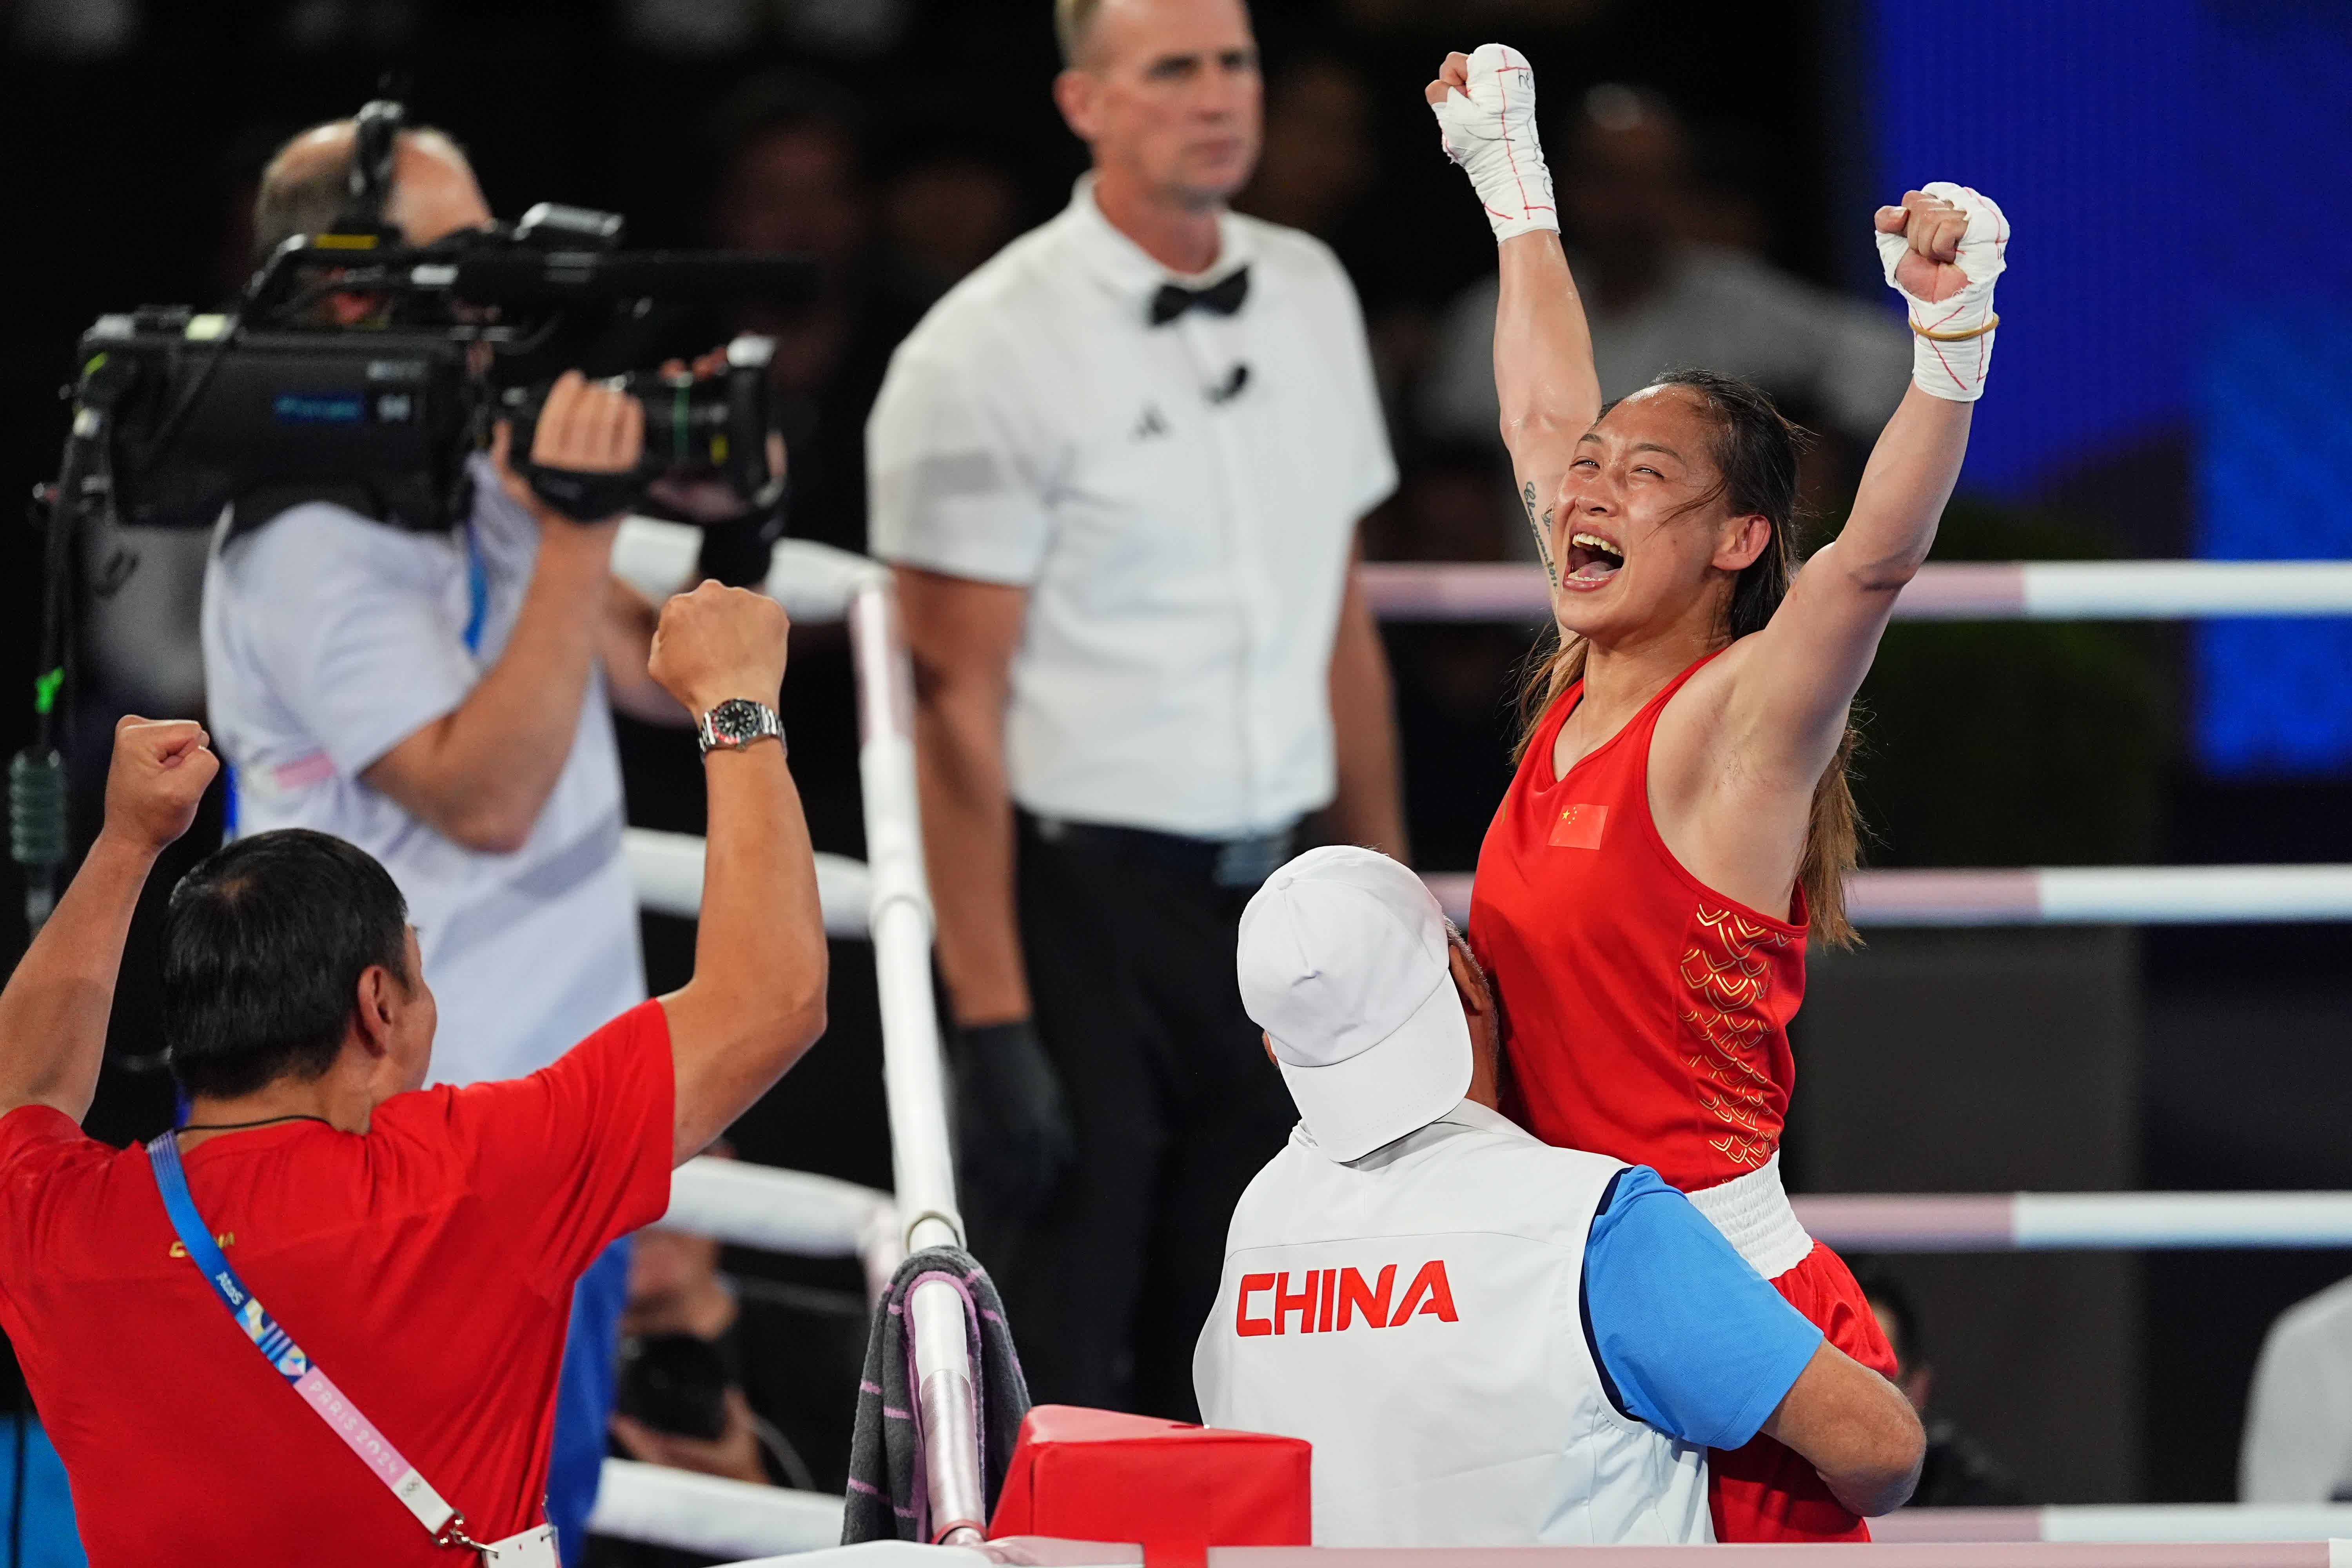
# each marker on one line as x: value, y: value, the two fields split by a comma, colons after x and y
x: 1729, y: 978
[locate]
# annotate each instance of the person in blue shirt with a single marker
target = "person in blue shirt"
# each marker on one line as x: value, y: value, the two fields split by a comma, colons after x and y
x: 1487, y: 1340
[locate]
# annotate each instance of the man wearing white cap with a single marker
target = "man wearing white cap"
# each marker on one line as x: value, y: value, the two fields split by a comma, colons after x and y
x: 1488, y: 1340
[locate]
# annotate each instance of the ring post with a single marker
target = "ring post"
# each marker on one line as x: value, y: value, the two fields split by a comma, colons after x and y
x: 913, y: 1067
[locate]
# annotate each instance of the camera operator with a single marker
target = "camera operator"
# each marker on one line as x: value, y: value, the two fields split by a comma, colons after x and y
x: 440, y: 699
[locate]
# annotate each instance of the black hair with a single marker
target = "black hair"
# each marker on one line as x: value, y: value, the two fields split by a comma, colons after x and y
x: 1756, y: 452
x: 264, y: 945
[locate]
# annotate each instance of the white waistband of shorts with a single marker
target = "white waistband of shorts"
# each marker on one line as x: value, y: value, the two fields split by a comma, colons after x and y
x: 1753, y: 1213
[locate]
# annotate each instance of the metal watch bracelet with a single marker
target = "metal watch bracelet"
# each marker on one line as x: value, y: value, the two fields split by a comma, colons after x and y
x: 736, y: 723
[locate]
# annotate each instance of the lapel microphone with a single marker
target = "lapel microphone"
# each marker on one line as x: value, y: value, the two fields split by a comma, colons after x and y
x: 1234, y: 381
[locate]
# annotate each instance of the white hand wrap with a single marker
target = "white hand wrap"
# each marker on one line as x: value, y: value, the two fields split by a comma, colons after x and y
x: 1951, y: 364
x: 1492, y: 134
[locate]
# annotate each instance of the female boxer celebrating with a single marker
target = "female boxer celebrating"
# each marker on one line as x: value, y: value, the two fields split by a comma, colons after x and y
x: 1680, y: 822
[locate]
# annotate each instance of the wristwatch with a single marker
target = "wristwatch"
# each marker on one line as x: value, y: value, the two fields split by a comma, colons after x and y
x: 736, y: 723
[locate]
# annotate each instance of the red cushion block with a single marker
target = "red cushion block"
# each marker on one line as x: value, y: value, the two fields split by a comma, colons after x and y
x: 1097, y: 1475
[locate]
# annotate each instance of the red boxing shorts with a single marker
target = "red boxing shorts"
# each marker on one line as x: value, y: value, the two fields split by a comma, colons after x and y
x: 1765, y: 1491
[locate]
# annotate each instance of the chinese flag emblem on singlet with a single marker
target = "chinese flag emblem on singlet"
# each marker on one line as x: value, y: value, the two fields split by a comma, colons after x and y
x: 1578, y: 827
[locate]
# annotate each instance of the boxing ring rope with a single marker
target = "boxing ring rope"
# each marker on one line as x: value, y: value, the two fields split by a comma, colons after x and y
x: 2001, y: 591
x: 1898, y: 1547
x: 2003, y: 1222
x: 710, y: 1514
x: 887, y: 901
x: 2064, y: 895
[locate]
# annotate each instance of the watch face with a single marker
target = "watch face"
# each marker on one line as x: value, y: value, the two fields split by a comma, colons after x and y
x: 736, y: 720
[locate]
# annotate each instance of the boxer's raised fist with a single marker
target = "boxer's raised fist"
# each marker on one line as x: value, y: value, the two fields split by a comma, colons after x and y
x: 1942, y: 249
x: 1931, y: 228
x: 1486, y: 107
x: 1454, y: 76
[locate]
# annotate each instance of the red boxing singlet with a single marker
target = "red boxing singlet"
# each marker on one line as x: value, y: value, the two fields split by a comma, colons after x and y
x: 1646, y: 1016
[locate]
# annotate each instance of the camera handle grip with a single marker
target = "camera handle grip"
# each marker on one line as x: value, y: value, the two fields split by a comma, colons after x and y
x: 585, y: 497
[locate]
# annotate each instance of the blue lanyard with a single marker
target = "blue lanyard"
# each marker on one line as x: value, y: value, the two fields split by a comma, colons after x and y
x: 477, y: 590
x: 278, y: 1347
x: 274, y: 1342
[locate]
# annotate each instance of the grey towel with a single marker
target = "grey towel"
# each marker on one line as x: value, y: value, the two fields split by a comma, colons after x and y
x: 887, y: 1498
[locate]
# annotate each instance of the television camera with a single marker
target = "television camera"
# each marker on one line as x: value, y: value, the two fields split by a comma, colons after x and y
x: 363, y: 369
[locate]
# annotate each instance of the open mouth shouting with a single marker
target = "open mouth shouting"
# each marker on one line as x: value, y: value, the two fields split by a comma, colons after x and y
x: 1592, y: 560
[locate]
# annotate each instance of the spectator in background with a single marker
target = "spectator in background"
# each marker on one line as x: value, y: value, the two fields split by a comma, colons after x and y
x: 1957, y: 1473
x: 791, y: 176
x: 1318, y: 159
x: 1660, y: 294
x: 789, y: 168
x: 949, y: 201
x: 747, y: 1378
x: 2298, y: 1439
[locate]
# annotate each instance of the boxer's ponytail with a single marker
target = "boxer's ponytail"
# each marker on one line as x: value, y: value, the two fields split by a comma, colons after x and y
x: 1756, y: 452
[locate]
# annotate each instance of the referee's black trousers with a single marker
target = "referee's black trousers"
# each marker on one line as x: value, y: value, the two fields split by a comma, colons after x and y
x: 1175, y: 1107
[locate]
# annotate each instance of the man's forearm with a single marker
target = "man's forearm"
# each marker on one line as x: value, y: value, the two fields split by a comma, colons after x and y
x: 624, y: 641
x: 53, y: 1015
x: 757, y: 998
x: 1855, y: 1429
x: 1369, y: 807
x: 482, y: 774
x: 968, y: 843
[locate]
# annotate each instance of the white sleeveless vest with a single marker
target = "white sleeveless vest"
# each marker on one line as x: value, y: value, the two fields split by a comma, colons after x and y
x: 1417, y: 1316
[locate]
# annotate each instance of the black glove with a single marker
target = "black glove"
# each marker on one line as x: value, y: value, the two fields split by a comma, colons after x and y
x: 585, y: 497
x: 735, y: 551
x: 1011, y: 1120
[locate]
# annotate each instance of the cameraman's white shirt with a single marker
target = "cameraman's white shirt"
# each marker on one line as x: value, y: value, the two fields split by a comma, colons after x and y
x: 329, y: 639
x: 1183, y: 536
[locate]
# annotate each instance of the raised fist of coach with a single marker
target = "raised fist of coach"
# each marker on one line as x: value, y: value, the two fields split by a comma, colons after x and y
x: 160, y: 770
x: 718, y: 643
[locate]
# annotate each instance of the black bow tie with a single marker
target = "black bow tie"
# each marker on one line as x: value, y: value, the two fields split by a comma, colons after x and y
x: 1222, y: 297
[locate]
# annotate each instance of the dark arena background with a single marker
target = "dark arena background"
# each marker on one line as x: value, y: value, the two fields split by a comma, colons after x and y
x: 2177, y: 316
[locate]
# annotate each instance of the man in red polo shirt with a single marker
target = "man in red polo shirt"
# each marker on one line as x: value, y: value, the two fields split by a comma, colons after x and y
x: 418, y: 1245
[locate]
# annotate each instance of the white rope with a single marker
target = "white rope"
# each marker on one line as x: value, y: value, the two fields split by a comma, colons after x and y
x: 2101, y: 895
x: 2065, y: 895
x: 1887, y: 1551
x: 640, y: 1501
x: 666, y: 868
x: 2033, y: 590
x: 782, y: 1211
x: 710, y: 1514
x: 2001, y: 1221
x: 1891, y: 1550
x: 2137, y: 1524
x: 812, y: 582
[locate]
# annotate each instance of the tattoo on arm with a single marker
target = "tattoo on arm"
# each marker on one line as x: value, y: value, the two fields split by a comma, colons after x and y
x: 1543, y: 527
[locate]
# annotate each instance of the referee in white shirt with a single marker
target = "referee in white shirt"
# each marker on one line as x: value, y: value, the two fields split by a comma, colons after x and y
x: 1120, y: 470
